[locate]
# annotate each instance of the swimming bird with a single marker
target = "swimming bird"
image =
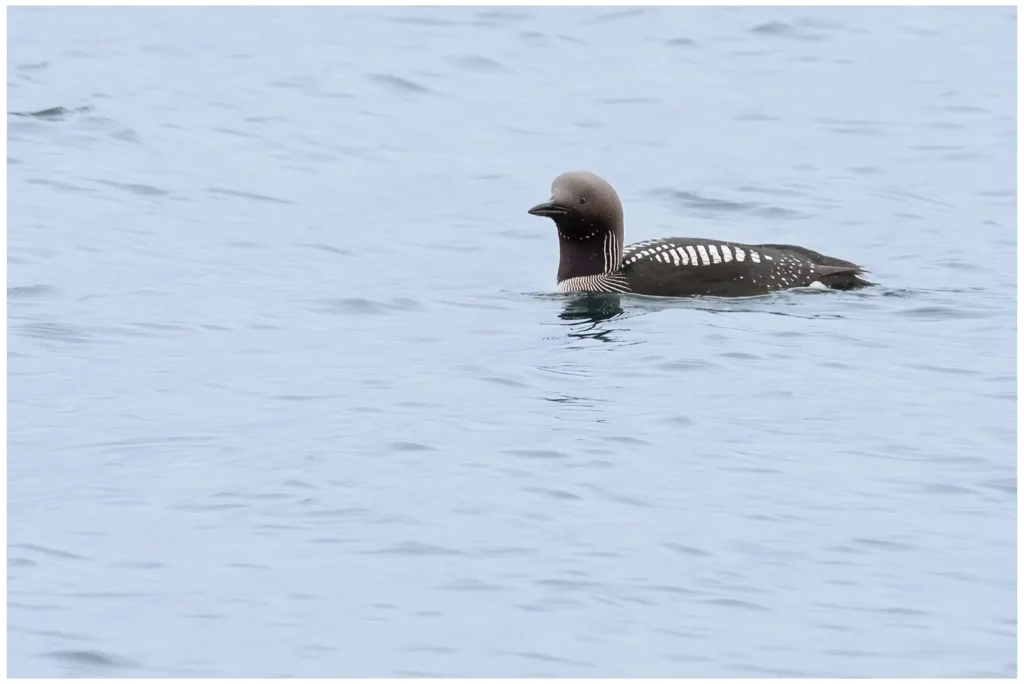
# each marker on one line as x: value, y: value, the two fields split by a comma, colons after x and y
x: 588, y: 214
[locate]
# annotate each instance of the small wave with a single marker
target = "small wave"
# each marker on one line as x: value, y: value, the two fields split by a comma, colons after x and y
x: 54, y: 113
x: 400, y: 85
x: 782, y: 29
x: 140, y: 189
x: 247, y: 195
x: 692, y: 200
x: 48, y: 551
x: 414, y: 548
x: 478, y: 63
x: 361, y: 305
x: 31, y: 291
x: 89, y: 659
x: 49, y: 330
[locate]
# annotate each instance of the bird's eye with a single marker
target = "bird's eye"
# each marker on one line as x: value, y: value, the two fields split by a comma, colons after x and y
x: 583, y: 200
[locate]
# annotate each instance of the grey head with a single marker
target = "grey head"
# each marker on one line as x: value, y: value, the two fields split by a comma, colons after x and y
x: 588, y: 214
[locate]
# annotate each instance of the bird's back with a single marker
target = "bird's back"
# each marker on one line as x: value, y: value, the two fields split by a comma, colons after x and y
x: 698, y: 266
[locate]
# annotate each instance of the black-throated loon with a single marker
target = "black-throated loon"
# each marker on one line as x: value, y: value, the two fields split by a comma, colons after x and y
x: 588, y: 214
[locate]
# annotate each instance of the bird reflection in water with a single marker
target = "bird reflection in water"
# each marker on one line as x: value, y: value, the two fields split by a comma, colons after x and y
x: 587, y: 314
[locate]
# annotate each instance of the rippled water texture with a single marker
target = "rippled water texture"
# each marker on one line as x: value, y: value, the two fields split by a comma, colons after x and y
x: 289, y: 393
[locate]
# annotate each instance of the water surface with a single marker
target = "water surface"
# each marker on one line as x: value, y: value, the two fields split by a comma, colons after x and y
x: 289, y: 393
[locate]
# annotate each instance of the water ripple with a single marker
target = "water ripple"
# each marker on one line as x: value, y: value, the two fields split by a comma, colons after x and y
x: 400, y: 85
x: 700, y: 203
x: 225, y: 192
x: 89, y: 659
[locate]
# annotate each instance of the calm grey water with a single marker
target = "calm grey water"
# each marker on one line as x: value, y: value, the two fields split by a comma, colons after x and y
x: 289, y: 393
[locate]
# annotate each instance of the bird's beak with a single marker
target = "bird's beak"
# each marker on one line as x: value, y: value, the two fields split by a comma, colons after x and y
x: 549, y: 208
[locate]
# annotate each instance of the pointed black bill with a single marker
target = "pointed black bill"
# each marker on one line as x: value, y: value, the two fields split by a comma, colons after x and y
x: 549, y: 209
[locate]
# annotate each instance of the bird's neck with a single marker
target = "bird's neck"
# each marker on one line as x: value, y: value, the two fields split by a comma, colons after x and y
x: 588, y: 252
